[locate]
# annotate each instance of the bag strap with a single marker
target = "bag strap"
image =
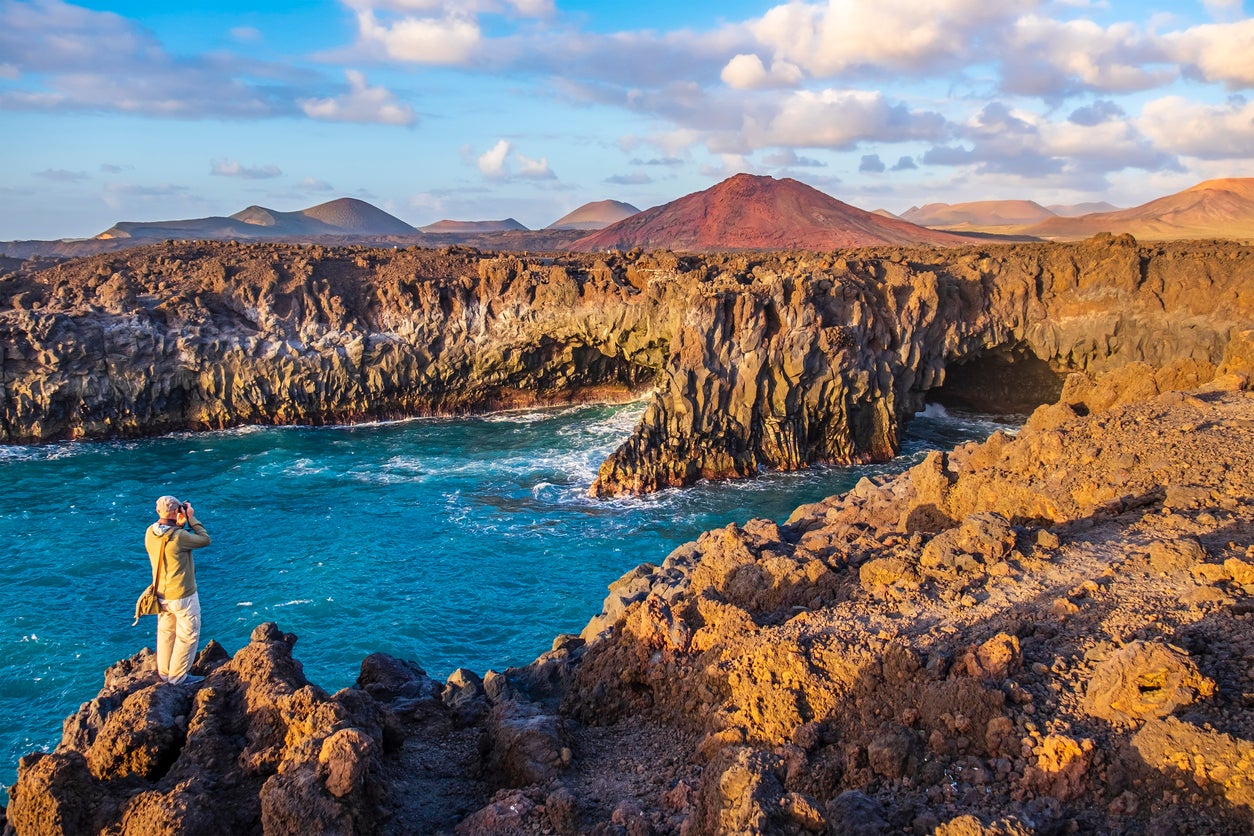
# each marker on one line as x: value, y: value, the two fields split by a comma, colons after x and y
x: 156, y: 571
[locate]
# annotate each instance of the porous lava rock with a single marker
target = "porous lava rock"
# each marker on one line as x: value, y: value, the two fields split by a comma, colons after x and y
x: 1038, y: 671
x: 751, y: 360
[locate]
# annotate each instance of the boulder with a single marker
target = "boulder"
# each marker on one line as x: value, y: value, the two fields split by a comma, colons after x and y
x: 1144, y: 680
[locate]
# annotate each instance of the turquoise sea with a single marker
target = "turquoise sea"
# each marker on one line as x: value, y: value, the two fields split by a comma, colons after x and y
x: 454, y: 543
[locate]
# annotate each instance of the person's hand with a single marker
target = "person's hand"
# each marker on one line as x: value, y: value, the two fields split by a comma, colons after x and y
x: 187, y: 514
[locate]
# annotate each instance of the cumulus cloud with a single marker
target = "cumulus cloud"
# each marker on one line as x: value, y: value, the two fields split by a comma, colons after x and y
x: 71, y: 58
x: 747, y: 72
x: 832, y: 38
x: 1217, y: 52
x: 362, y: 103
x: 436, y: 32
x: 872, y: 164
x: 1050, y: 58
x: 495, y: 163
x: 450, y: 39
x: 492, y: 162
x: 1209, y: 132
x: 840, y: 119
x: 1003, y: 140
x: 231, y: 168
x: 905, y: 164
x: 533, y: 169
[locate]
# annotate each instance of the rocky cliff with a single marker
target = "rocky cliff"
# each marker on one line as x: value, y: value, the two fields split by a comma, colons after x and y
x: 1041, y: 634
x: 772, y: 360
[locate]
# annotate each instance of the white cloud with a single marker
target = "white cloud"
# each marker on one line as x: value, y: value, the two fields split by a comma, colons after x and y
x: 534, y: 169
x: 231, y: 168
x: 1219, y: 52
x: 828, y: 39
x: 839, y: 119
x: 747, y: 72
x: 72, y: 58
x: 1053, y: 58
x: 1210, y: 132
x: 362, y: 103
x: 453, y: 38
x: 492, y: 161
x: 495, y: 163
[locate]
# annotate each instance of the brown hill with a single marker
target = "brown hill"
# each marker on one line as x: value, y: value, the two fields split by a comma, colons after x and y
x: 596, y: 215
x: 980, y: 214
x: 1213, y: 209
x: 751, y: 212
x: 345, y: 216
x: 448, y: 227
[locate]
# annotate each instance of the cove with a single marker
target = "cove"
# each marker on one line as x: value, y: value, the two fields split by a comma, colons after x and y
x: 454, y: 543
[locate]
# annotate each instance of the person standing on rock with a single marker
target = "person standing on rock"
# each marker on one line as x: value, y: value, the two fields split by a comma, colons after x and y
x: 178, y: 623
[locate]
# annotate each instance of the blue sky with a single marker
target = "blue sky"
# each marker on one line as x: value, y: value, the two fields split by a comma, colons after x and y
x: 482, y: 109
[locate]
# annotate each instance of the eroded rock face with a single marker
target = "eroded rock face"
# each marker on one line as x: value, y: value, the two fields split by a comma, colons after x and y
x: 1045, y: 668
x: 773, y: 360
x: 254, y: 747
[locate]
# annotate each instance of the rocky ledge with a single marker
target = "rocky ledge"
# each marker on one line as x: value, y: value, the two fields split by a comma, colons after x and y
x: 1045, y: 633
x: 776, y: 360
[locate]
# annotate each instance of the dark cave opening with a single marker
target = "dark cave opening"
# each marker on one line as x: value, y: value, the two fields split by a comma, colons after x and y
x: 1002, y: 382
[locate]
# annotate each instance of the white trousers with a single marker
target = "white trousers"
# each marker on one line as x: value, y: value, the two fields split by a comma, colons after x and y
x: 178, y: 634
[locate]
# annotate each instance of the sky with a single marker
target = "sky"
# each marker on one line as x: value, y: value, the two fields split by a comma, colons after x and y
x: 115, y: 110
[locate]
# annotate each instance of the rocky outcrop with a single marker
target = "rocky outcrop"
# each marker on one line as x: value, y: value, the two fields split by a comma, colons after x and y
x: 772, y: 360
x: 999, y: 641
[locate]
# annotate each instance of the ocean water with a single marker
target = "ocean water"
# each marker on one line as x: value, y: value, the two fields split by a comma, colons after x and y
x: 454, y: 543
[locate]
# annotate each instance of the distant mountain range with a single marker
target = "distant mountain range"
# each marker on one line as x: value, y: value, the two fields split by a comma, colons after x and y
x: 1213, y: 209
x: 754, y: 212
x: 469, y: 227
x: 743, y: 212
x: 995, y: 215
x: 345, y: 216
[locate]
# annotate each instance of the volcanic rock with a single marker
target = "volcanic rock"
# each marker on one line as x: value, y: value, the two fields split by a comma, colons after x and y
x: 755, y: 682
x: 778, y: 360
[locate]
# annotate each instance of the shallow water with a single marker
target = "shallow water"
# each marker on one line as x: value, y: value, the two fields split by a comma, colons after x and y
x: 455, y: 543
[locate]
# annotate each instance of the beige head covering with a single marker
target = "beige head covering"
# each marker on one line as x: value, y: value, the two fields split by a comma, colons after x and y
x: 168, y: 507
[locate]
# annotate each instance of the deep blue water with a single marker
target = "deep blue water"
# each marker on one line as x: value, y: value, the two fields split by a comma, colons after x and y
x: 455, y: 543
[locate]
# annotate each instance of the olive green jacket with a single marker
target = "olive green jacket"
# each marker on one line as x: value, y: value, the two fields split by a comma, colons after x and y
x: 178, y: 573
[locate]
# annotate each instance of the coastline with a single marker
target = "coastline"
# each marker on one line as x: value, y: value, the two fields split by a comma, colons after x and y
x: 941, y: 649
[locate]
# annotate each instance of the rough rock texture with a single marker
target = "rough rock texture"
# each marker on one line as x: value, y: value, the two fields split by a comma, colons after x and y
x: 771, y: 360
x: 986, y: 644
x: 254, y: 747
